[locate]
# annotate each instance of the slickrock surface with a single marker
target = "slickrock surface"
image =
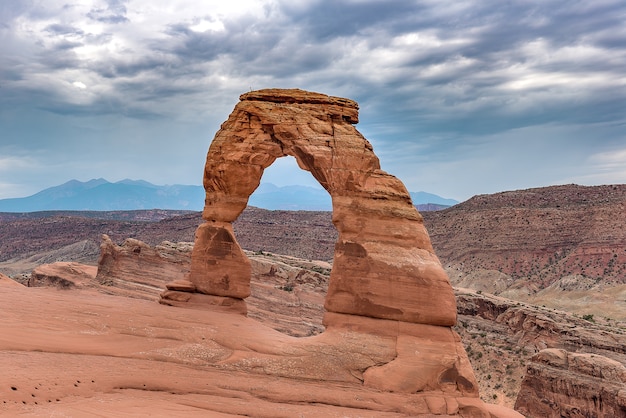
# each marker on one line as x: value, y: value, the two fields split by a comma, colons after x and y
x: 386, y: 280
x: 563, y: 384
x: 81, y: 353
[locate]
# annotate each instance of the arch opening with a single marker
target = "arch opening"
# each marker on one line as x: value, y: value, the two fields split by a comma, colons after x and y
x: 285, y: 186
x: 291, y: 258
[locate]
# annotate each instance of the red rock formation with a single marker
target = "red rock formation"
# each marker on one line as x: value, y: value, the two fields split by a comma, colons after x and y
x: 63, y: 275
x: 563, y: 384
x: 384, y: 265
x: 386, y: 284
x: 287, y: 292
x: 140, y: 269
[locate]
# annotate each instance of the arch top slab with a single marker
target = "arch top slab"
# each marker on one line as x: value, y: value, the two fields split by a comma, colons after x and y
x: 384, y: 265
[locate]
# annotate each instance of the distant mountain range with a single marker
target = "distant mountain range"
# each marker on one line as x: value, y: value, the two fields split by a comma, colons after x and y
x: 102, y: 195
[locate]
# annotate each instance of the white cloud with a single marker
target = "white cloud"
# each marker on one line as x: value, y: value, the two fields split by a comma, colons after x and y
x: 208, y: 25
x: 14, y: 163
x: 610, y: 159
x: 436, y: 81
x: 15, y: 172
x: 606, y: 167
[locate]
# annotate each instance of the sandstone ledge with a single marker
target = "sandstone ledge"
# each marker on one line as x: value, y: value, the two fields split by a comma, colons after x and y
x: 297, y: 96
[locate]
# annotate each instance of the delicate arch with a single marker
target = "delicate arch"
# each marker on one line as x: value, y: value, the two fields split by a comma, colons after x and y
x: 384, y: 265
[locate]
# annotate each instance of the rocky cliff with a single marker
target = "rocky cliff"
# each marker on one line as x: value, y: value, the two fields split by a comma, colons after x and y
x: 563, y: 384
x: 537, y: 235
x: 560, y: 246
x: 501, y: 337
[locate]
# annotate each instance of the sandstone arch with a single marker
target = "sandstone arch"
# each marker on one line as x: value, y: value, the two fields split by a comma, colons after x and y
x: 384, y: 265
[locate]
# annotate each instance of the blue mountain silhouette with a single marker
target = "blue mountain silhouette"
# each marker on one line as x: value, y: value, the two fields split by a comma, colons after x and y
x: 102, y: 195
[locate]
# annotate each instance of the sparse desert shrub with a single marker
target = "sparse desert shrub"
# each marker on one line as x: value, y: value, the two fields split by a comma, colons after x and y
x: 588, y: 317
x: 321, y: 270
x: 287, y: 288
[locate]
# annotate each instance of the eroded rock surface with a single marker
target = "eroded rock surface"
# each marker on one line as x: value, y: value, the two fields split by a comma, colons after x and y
x: 82, y: 353
x: 559, y: 383
x: 139, y: 268
x: 7, y: 281
x: 287, y: 293
x: 63, y: 275
x: 384, y: 265
x: 386, y: 281
x: 501, y: 336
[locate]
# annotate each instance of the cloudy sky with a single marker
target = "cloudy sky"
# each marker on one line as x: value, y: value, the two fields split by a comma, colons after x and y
x: 458, y: 97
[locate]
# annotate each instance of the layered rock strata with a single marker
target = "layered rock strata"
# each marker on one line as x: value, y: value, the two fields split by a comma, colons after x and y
x: 139, y: 268
x: 563, y: 384
x: 62, y: 275
x: 386, y: 281
x: 501, y: 336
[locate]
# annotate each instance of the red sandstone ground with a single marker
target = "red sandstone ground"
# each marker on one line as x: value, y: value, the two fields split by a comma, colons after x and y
x: 82, y: 353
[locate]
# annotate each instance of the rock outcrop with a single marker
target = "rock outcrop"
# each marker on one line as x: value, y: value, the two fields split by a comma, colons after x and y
x: 140, y: 269
x: 386, y: 281
x: 501, y: 336
x: 287, y: 292
x: 384, y: 265
x: 563, y: 384
x: 63, y: 275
